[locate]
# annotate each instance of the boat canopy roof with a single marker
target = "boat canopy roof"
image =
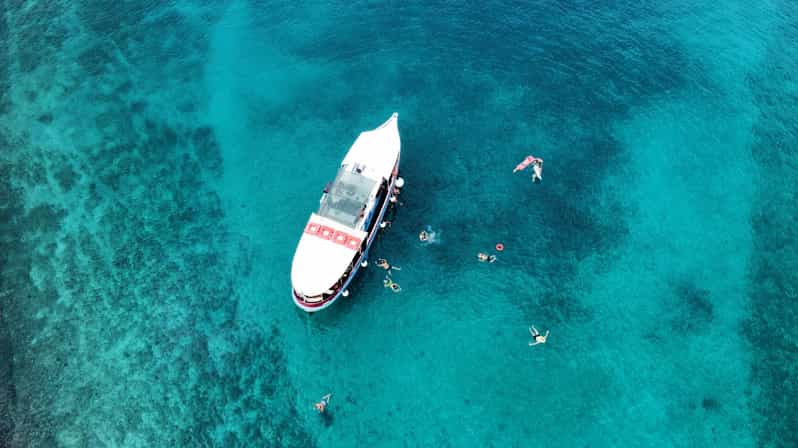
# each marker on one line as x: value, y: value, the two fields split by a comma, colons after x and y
x: 347, y: 197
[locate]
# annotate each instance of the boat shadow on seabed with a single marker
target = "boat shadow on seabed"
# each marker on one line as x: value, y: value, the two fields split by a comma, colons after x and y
x: 327, y: 418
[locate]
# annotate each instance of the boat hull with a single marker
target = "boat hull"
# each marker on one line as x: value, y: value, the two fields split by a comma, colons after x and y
x: 312, y: 307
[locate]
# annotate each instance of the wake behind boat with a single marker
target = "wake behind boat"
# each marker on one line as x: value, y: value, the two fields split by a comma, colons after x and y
x: 338, y: 236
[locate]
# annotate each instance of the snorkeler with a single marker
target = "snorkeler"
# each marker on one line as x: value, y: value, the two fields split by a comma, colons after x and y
x: 537, y: 338
x: 383, y: 263
x: 322, y: 405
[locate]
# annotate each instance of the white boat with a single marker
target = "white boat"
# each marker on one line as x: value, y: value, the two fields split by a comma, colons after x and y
x: 337, y: 237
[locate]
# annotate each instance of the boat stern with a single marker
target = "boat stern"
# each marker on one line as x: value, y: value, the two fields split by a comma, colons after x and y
x: 324, y: 260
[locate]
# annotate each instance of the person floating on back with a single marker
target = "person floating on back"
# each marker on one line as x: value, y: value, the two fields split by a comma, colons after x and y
x: 483, y: 257
x: 537, y: 167
x: 389, y: 283
x: 537, y: 338
x: 322, y: 405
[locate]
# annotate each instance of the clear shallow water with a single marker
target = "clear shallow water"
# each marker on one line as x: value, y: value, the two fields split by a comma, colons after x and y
x: 159, y: 162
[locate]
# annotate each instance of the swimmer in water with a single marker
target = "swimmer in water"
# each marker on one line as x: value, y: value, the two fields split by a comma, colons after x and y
x: 391, y: 284
x: 537, y: 338
x: 383, y: 263
x: 322, y: 405
x: 537, y: 167
x: 429, y: 236
x: 483, y: 257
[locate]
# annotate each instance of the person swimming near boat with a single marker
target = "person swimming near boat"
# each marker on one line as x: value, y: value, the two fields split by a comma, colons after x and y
x: 537, y: 167
x: 483, y: 257
x: 383, y: 263
x: 429, y: 236
x: 389, y: 283
x: 322, y: 405
x: 537, y: 338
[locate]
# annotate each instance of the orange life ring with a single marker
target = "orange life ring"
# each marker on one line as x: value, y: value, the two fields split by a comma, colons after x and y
x: 499, y: 247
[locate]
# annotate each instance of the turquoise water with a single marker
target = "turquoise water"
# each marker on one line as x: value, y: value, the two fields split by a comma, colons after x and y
x: 159, y: 161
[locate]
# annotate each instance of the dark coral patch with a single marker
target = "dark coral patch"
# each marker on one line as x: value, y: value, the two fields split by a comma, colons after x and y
x: 710, y: 404
x: 45, y: 217
x: 95, y: 59
x: 66, y: 177
x: 8, y: 394
x: 773, y: 284
x: 138, y: 106
x: 693, y: 309
x: 207, y: 149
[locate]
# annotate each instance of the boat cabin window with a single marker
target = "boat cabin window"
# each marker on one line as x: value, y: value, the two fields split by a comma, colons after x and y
x: 347, y: 198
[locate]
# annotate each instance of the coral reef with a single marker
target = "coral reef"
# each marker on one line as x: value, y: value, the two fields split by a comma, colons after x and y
x: 118, y: 270
x: 773, y: 326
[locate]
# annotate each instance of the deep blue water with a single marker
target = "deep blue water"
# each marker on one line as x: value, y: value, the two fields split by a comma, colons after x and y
x: 158, y: 161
